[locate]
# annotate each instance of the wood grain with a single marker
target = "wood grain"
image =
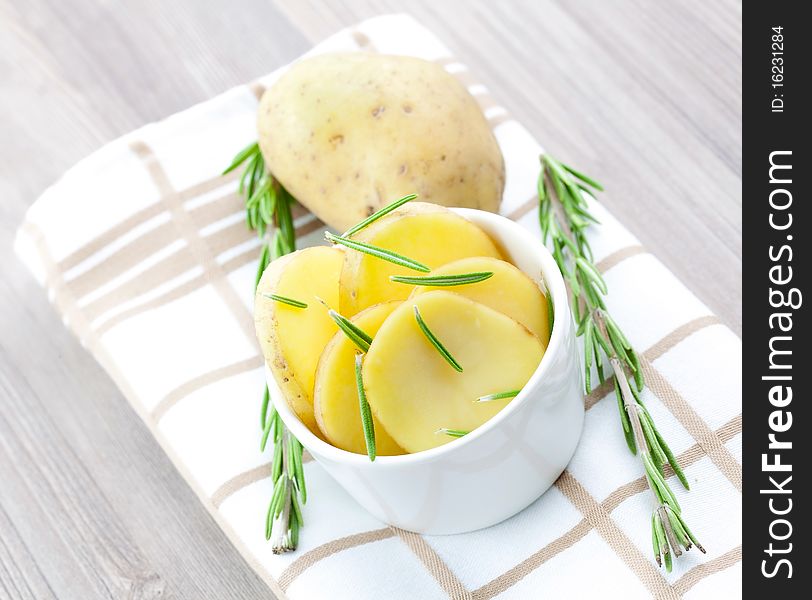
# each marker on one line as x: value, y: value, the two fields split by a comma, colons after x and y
x: 644, y: 95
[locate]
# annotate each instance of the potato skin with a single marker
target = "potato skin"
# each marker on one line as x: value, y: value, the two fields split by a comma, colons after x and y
x: 349, y: 133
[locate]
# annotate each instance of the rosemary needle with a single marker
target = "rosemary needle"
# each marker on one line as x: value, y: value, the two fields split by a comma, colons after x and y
x: 366, y: 414
x: 442, y: 280
x: 457, y: 433
x: 285, y: 300
x: 499, y: 396
x: 434, y: 341
x: 357, y: 336
x: 377, y: 252
x: 378, y: 214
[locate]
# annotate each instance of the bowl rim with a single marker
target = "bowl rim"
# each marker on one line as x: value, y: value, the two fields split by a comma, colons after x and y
x: 553, y: 282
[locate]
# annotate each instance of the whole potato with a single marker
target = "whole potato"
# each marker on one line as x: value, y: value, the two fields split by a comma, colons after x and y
x: 349, y: 133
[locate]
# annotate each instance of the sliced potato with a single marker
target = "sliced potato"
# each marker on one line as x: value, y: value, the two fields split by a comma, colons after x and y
x: 336, y: 395
x: 292, y: 339
x: 509, y: 290
x: 427, y: 233
x: 413, y: 391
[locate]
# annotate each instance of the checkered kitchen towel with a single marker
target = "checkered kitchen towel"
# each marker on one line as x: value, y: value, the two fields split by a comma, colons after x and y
x: 157, y: 282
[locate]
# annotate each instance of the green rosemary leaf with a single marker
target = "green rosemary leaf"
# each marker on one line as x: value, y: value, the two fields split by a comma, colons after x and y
x: 672, y: 460
x: 442, y: 280
x: 300, y: 484
x: 241, y: 157
x: 584, y: 178
x: 435, y: 342
x: 457, y: 433
x: 262, y: 265
x: 263, y: 415
x: 265, y: 204
x: 637, y: 371
x: 617, y: 344
x: 612, y: 327
x: 269, y: 425
x: 690, y: 534
x: 285, y: 220
x: 298, y: 470
x: 278, y: 429
x: 651, y: 440
x: 555, y: 175
x: 663, y: 542
x: 277, y: 250
x: 589, y: 351
x: 276, y: 497
x: 356, y: 335
x: 377, y: 252
x: 602, y: 341
x: 269, y: 521
x: 540, y: 189
x: 581, y: 321
x: 499, y: 396
x: 575, y: 287
x: 658, y: 481
x: 628, y: 433
x: 294, y: 533
x: 366, y: 413
x: 285, y: 300
x: 276, y: 464
x: 589, y: 341
x: 598, y: 363
x: 550, y: 310
x: 655, y: 542
x: 297, y: 510
x: 282, y: 498
x: 378, y: 214
x: 592, y: 273
x: 676, y: 527
x: 256, y: 168
x: 576, y: 312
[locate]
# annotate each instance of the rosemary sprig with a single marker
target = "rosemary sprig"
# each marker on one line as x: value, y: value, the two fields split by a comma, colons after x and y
x: 564, y: 217
x: 457, y: 433
x: 435, y: 341
x: 378, y: 214
x: 268, y: 208
x: 285, y: 300
x: 499, y: 396
x: 442, y: 280
x: 382, y: 253
x: 366, y: 413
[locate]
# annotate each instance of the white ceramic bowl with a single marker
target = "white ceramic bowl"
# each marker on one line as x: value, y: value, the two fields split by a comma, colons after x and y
x: 499, y: 468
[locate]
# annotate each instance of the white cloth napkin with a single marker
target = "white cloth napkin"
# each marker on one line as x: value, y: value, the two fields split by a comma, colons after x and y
x: 143, y: 250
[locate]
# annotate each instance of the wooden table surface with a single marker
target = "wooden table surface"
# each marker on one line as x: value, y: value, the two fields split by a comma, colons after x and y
x: 645, y: 96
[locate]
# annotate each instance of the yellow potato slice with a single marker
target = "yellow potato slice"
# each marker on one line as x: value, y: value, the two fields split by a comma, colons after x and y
x: 509, y: 290
x: 336, y: 395
x: 424, y: 232
x: 413, y: 391
x: 292, y: 339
